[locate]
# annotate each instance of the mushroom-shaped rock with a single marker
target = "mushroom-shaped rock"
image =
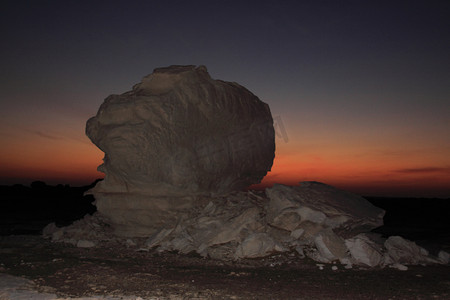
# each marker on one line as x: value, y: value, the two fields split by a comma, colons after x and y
x: 180, y: 132
x: 176, y: 136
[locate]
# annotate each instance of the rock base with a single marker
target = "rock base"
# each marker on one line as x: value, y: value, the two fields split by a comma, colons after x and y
x: 313, y: 220
x: 136, y: 215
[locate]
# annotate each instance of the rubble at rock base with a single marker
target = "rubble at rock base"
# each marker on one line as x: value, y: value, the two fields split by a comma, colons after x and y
x: 256, y: 225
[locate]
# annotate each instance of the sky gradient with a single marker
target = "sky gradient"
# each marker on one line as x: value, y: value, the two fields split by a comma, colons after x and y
x: 359, y: 90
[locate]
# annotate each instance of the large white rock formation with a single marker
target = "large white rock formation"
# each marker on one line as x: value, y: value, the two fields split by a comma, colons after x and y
x: 179, y: 132
x: 174, y: 138
x: 179, y: 148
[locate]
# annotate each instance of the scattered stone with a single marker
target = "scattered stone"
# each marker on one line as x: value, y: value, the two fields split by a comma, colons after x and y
x: 300, y: 251
x: 444, y: 257
x: 330, y: 246
x: 297, y: 233
x: 245, y: 225
x: 402, y: 251
x: 49, y: 230
x: 257, y: 245
x: 364, y: 251
x: 90, y: 229
x: 399, y: 267
x: 57, y: 235
x: 323, y: 205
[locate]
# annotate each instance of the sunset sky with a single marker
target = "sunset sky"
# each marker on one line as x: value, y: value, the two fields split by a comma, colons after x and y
x: 359, y: 90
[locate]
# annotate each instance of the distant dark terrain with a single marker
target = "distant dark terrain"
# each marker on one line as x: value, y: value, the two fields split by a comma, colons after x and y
x: 423, y: 220
x: 27, y: 210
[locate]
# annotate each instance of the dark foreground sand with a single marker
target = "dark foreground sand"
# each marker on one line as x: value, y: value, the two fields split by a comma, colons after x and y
x: 116, y: 270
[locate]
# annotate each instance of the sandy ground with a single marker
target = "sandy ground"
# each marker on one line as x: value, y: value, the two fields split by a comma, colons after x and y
x: 113, y: 271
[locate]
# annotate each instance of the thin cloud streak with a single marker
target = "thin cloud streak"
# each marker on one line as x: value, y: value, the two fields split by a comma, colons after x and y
x: 45, y: 135
x: 78, y: 138
x: 423, y: 170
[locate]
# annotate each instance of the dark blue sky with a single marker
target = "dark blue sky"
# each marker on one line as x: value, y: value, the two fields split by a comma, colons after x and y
x: 329, y: 44
x: 358, y: 85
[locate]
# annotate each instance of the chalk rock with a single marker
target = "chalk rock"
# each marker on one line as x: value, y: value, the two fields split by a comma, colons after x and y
x: 365, y: 251
x: 257, y: 245
x: 255, y: 224
x: 179, y: 132
x: 444, y: 257
x: 250, y: 225
x: 49, y: 230
x: 175, y: 137
x: 223, y: 221
x: 402, y: 251
x: 314, y: 206
x: 83, y: 232
x: 399, y: 267
x: 139, y: 215
x: 330, y: 246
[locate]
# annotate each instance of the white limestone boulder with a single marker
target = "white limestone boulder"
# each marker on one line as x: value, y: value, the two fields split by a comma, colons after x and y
x: 174, y: 138
x: 179, y: 132
x: 365, y: 251
x: 258, y: 245
x: 405, y: 252
x: 330, y: 246
x: 314, y: 206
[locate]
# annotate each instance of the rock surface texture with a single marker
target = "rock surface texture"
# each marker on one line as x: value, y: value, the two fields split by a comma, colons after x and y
x: 179, y: 132
x: 174, y: 138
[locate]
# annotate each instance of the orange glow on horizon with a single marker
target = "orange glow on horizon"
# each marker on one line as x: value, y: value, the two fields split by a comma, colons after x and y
x: 50, y: 160
x: 75, y: 161
x: 376, y: 173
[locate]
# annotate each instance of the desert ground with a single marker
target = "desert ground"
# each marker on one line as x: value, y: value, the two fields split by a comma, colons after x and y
x: 114, y: 270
